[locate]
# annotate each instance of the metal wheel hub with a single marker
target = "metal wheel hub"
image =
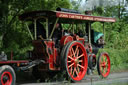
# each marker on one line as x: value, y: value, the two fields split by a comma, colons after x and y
x: 103, y: 64
x: 5, y: 78
x: 75, y: 61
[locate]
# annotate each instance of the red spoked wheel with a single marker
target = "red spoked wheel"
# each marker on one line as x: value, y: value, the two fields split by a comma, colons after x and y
x: 103, y: 65
x: 6, y: 78
x: 75, y: 61
x: 7, y: 75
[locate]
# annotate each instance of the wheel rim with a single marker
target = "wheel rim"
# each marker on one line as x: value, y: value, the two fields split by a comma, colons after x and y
x: 6, y: 78
x: 104, y: 65
x: 77, y: 61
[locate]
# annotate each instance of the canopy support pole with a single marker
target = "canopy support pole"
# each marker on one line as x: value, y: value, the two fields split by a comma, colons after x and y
x: 35, y: 30
x: 53, y: 28
x: 89, y: 31
x: 46, y: 28
x: 103, y: 30
x: 73, y: 27
x: 29, y: 32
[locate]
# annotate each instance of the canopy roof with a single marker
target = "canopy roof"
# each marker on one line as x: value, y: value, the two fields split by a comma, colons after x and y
x: 63, y: 16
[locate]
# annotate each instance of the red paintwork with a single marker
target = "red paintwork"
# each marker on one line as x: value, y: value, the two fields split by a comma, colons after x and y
x: 104, y: 65
x: 75, y: 37
x: 9, y: 76
x: 14, y: 61
x: 82, y: 40
x: 84, y: 17
x: 92, y: 55
x: 50, y: 50
x: 65, y: 15
x: 77, y: 61
x: 52, y: 54
x: 55, y: 56
x: 65, y: 39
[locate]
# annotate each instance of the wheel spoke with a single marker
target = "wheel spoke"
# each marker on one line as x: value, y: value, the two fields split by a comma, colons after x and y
x: 76, y: 49
x: 78, y: 69
x: 106, y: 70
x: 70, y: 57
x: 106, y: 63
x: 77, y: 53
x: 74, y: 71
x: 73, y: 52
x: 103, y: 58
x: 80, y: 61
x: 71, y: 65
x: 71, y: 70
x: 81, y: 66
x: 77, y: 73
x: 69, y: 61
x: 80, y: 56
x: 103, y: 70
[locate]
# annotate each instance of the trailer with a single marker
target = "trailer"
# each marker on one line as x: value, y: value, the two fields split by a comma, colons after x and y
x: 59, y: 46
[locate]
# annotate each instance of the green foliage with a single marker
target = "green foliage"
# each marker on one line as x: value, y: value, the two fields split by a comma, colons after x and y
x: 53, y: 4
x: 75, y: 4
x: 13, y: 34
x: 115, y: 35
x: 47, y: 4
x: 97, y: 26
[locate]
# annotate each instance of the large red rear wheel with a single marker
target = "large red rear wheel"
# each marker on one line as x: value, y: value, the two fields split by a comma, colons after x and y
x: 103, y: 65
x: 75, y: 61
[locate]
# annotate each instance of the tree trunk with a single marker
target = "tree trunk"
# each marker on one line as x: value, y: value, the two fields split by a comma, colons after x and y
x: 1, y: 41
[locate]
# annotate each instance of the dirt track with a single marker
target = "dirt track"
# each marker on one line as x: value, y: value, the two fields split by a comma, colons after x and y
x: 120, y: 78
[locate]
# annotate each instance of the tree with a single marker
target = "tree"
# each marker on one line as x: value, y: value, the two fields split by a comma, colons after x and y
x: 13, y: 35
x: 76, y: 4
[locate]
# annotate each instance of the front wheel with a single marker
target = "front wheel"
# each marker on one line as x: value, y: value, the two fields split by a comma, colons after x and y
x: 7, y: 75
x: 75, y: 61
x: 103, y: 65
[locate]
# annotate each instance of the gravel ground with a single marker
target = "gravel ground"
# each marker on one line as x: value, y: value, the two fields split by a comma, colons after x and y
x: 120, y: 78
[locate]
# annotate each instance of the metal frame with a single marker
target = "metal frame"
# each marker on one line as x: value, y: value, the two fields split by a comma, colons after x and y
x: 73, y: 27
x: 29, y: 32
x: 47, y: 33
x: 53, y: 28
x: 89, y: 33
x: 35, y: 29
x: 46, y: 28
x: 103, y: 30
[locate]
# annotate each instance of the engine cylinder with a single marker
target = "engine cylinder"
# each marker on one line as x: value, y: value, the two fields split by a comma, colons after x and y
x: 92, y: 61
